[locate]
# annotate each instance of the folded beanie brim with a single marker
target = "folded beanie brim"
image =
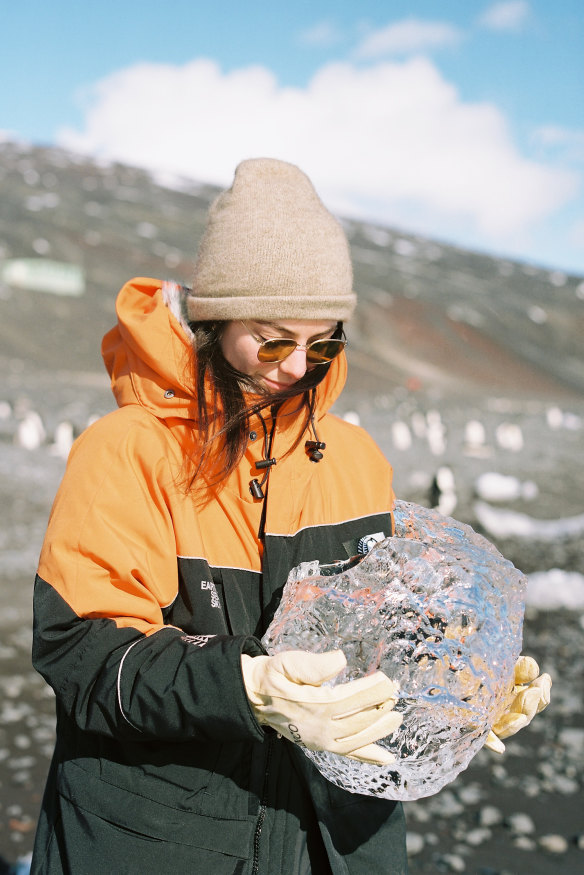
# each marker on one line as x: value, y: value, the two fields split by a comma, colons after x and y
x: 270, y: 307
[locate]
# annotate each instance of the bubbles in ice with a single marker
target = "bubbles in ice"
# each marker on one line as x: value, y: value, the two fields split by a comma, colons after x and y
x: 440, y: 611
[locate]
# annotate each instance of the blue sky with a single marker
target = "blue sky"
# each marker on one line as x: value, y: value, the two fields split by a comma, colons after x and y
x: 459, y: 120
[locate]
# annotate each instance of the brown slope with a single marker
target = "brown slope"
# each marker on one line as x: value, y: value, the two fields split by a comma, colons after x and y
x: 417, y: 345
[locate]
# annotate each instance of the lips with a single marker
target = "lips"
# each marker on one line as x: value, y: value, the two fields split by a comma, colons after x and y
x: 277, y: 387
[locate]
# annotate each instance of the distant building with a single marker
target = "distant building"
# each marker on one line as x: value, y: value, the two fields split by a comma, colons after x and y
x: 43, y: 275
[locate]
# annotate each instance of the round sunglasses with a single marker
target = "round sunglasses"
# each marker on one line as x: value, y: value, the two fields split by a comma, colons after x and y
x: 276, y: 349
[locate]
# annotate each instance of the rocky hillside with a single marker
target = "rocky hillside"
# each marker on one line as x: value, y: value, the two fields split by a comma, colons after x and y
x: 431, y: 318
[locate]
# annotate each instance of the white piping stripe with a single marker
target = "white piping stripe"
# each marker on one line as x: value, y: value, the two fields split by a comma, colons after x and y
x: 327, y: 525
x: 119, y: 685
x: 119, y: 681
x: 228, y: 567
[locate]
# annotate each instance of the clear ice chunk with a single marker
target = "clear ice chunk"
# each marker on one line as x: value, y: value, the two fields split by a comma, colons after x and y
x: 440, y: 611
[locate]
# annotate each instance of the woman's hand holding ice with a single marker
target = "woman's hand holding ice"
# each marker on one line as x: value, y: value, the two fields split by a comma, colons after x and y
x: 530, y: 695
x: 286, y: 692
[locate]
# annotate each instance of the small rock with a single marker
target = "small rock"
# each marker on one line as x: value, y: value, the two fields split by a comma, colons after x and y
x: 25, y: 824
x: 418, y: 812
x: 580, y: 841
x: 547, y: 770
x: 414, y: 843
x: 499, y: 773
x: 554, y: 844
x: 21, y: 762
x: 565, y: 785
x: 572, y: 737
x: 490, y: 816
x: 530, y: 786
x: 447, y: 805
x: 520, y: 823
x: 524, y: 843
x: 462, y: 850
x: 21, y: 778
x: 471, y: 794
x: 454, y: 862
x: 477, y: 836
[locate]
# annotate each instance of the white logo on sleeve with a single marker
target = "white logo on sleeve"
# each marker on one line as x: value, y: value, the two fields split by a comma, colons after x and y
x: 197, y: 640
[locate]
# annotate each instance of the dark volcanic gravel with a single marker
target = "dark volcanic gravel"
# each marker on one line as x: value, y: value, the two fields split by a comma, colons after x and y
x: 519, y: 813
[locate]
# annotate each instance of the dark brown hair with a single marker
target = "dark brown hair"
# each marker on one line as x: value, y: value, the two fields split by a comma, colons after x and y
x: 224, y: 414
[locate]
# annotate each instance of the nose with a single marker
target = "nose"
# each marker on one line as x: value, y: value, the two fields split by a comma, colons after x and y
x: 295, y: 364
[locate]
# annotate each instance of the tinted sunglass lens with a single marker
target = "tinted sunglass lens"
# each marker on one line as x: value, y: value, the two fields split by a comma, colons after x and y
x: 276, y: 350
x: 322, y: 351
x: 318, y: 353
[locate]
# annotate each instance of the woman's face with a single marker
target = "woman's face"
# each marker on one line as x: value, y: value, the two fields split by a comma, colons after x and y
x: 240, y: 348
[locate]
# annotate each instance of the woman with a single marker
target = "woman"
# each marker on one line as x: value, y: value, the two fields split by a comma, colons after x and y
x: 175, y: 527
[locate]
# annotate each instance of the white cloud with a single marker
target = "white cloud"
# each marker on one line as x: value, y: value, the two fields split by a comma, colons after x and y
x: 567, y: 142
x: 392, y: 142
x: 507, y: 15
x: 408, y: 37
x: 325, y: 33
x: 576, y: 235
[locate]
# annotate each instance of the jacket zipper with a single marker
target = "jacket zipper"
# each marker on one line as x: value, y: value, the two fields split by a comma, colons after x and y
x: 262, y: 811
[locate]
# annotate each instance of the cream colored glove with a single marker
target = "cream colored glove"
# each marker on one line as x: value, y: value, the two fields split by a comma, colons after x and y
x: 286, y: 693
x: 530, y: 695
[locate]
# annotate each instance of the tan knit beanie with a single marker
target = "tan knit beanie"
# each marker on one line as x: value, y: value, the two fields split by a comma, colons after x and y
x: 271, y: 250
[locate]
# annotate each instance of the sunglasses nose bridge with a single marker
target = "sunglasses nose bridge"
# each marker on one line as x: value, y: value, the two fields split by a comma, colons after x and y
x: 292, y: 354
x: 294, y: 365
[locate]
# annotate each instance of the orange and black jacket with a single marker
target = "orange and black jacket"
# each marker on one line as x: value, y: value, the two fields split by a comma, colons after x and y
x: 145, y: 599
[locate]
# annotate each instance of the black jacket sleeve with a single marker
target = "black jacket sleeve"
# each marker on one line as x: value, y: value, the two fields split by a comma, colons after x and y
x: 108, y: 567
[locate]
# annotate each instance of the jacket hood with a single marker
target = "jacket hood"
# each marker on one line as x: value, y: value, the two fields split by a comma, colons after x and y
x: 149, y: 353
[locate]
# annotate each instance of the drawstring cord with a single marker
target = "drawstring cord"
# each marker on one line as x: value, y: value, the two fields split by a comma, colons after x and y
x: 313, y: 448
x: 255, y: 486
